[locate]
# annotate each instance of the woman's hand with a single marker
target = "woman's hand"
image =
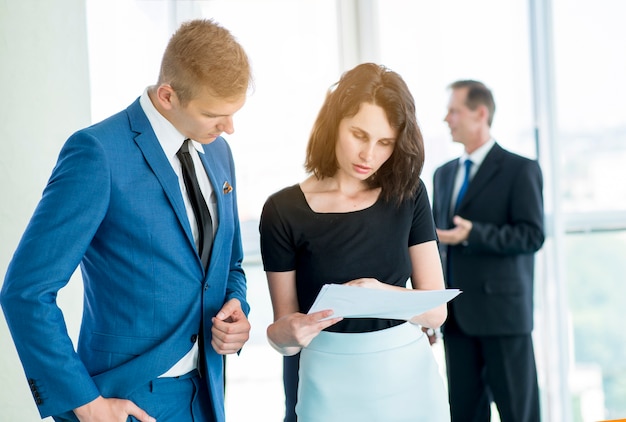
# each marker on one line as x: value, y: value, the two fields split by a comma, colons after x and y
x: 370, y: 283
x: 290, y: 333
x: 292, y: 330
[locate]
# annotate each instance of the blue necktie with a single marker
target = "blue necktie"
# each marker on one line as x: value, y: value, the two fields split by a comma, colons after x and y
x: 466, y: 180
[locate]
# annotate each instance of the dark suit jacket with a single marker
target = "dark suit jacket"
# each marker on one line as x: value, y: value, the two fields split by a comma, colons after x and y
x: 114, y: 206
x: 494, y: 267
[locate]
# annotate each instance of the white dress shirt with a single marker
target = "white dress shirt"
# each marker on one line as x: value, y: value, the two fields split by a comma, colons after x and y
x: 171, y: 140
x: 477, y: 158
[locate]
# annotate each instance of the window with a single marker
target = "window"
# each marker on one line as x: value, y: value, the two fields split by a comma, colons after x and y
x: 591, y: 135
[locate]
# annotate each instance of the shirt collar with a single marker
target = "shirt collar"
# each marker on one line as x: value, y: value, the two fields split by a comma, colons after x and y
x: 168, y: 136
x: 479, y: 155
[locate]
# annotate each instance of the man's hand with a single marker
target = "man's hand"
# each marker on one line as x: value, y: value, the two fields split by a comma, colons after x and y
x: 459, y: 233
x: 109, y: 410
x: 230, y: 329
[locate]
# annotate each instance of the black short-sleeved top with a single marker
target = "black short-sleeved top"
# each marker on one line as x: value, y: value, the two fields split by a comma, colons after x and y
x: 335, y: 248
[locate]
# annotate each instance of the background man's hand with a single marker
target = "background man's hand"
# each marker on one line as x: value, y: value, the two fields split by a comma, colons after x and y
x: 458, y: 234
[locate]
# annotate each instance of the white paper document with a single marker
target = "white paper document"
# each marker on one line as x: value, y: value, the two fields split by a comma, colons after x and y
x: 362, y: 302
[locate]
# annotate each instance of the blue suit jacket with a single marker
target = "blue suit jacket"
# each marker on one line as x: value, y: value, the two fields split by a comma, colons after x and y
x: 494, y: 268
x: 113, y: 206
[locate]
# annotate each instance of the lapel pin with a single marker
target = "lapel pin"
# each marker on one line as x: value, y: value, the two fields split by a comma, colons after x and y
x: 227, y: 188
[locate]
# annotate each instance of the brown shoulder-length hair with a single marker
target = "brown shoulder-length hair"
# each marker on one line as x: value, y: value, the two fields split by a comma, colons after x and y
x: 374, y: 84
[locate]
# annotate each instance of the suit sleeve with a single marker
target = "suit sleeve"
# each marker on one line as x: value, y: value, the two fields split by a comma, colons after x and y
x: 72, y: 206
x: 522, y: 232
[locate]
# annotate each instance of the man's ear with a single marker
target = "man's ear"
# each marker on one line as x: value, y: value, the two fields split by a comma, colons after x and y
x: 166, y: 96
x: 483, y: 112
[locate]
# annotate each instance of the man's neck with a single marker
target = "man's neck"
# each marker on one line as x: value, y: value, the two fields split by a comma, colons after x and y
x: 480, y: 140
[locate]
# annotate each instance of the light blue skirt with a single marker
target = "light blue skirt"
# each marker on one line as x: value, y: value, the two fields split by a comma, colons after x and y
x: 388, y: 376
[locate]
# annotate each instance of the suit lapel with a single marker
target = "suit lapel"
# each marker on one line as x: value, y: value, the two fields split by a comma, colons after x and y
x: 448, y: 175
x: 489, y: 168
x: 159, y: 164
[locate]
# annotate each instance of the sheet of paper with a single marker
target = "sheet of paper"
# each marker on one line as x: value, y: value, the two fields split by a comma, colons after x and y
x: 361, y: 302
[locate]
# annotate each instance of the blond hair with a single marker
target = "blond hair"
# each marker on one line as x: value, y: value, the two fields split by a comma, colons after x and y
x: 202, y: 55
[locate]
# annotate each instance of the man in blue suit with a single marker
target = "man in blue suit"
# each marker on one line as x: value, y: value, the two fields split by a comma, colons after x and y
x: 488, y: 209
x: 156, y: 320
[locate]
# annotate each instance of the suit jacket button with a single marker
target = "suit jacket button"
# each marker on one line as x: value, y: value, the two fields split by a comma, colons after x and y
x: 194, y: 338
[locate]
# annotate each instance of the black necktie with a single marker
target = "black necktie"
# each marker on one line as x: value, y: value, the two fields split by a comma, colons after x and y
x: 205, y: 228
x: 198, y: 203
x: 466, y: 180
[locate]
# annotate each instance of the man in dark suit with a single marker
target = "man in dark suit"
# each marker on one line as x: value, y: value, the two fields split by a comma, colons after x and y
x: 165, y: 295
x: 489, y: 218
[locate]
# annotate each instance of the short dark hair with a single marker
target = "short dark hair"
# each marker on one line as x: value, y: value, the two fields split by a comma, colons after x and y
x: 477, y: 94
x: 374, y: 84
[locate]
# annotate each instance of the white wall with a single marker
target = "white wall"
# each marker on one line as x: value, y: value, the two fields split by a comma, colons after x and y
x: 45, y: 97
